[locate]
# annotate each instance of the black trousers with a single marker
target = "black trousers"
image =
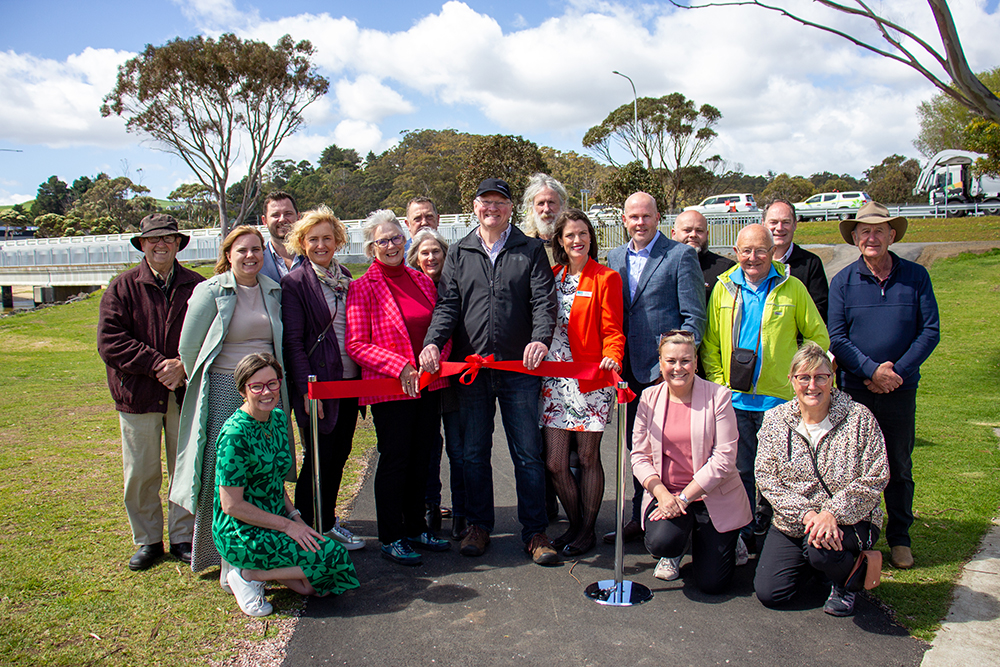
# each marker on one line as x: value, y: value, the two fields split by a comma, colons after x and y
x: 713, y: 553
x: 334, y: 449
x: 406, y: 432
x: 785, y: 562
x: 896, y: 414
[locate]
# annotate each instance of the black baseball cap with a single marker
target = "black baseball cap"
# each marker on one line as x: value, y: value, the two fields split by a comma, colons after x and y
x: 497, y: 185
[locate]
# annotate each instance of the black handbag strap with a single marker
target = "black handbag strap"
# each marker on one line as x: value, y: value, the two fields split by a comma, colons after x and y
x: 320, y: 337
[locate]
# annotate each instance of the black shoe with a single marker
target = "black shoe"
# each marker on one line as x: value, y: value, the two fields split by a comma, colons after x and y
x: 458, y: 527
x: 576, y: 549
x: 433, y: 517
x: 181, y: 551
x: 630, y: 531
x: 146, y: 555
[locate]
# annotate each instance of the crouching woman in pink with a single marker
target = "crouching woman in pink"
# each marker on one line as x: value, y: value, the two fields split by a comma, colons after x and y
x: 684, y: 453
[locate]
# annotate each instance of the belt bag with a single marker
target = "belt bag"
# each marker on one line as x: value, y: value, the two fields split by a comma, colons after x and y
x: 741, y: 367
x: 867, y: 571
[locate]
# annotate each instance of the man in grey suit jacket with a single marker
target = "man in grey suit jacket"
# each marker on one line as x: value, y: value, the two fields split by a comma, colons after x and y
x: 664, y: 290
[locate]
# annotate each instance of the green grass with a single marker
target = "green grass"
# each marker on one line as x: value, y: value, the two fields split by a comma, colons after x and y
x: 66, y: 594
x: 920, y: 230
x: 956, y: 456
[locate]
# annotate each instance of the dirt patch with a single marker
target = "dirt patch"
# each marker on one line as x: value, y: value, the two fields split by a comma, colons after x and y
x: 935, y: 251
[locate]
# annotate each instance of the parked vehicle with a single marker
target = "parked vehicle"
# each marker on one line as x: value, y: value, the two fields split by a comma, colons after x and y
x: 731, y: 203
x: 825, y: 205
x: 948, y: 180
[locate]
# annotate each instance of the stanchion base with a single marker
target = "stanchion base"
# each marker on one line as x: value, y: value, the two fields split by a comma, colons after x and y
x: 607, y: 593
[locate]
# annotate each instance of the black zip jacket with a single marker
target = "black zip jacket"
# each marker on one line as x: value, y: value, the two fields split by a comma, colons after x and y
x: 494, y: 309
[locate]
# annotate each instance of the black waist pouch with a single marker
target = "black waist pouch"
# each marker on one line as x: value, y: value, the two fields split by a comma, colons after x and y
x: 741, y: 367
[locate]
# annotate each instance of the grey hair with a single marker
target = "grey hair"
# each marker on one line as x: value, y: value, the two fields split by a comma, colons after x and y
x: 383, y: 216
x: 536, y: 184
x: 420, y: 237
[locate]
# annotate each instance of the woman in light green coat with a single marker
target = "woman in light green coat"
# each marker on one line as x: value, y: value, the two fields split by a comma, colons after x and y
x: 234, y: 313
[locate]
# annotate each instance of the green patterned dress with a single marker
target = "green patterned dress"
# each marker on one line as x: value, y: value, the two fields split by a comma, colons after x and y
x: 254, y: 455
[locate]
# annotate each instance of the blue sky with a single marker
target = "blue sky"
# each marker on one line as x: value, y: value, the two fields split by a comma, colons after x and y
x: 793, y: 99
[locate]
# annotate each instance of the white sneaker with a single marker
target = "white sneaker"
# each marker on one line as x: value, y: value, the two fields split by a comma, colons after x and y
x: 742, y: 553
x: 224, y: 570
x: 249, y: 594
x: 346, y: 538
x: 668, y: 569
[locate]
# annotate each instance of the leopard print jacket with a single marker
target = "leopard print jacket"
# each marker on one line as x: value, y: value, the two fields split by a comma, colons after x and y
x: 851, y: 459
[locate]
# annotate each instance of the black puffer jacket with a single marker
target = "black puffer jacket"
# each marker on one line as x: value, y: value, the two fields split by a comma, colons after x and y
x: 494, y: 309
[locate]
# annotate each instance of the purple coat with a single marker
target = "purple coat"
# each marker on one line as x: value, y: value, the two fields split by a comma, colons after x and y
x: 304, y: 315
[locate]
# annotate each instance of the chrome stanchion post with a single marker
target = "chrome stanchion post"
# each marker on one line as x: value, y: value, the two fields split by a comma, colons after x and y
x: 314, y: 433
x: 619, y: 592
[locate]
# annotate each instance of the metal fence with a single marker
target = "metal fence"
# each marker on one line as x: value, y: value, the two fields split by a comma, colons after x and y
x: 117, y: 249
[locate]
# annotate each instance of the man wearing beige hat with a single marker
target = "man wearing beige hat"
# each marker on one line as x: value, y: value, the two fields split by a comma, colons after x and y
x: 138, y: 331
x: 883, y: 325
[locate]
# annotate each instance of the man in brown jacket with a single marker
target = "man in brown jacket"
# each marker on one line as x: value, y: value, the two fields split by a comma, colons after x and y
x: 139, y: 327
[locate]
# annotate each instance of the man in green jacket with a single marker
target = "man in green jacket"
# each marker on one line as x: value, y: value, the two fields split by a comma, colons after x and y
x: 759, y: 309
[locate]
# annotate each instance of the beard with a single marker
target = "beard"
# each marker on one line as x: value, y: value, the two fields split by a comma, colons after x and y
x: 544, y: 227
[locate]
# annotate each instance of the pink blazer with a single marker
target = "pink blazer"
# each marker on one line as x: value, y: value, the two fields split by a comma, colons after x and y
x: 376, y: 334
x: 713, y: 450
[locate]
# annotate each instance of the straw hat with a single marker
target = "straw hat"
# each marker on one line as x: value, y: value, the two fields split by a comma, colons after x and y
x: 873, y: 213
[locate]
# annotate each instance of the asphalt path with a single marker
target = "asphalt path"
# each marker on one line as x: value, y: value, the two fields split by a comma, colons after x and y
x: 502, y: 609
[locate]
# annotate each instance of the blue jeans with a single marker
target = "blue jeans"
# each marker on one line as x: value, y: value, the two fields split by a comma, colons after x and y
x: 518, y: 397
x: 896, y: 414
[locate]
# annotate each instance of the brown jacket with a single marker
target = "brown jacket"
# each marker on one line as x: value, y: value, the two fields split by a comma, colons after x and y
x: 137, y: 328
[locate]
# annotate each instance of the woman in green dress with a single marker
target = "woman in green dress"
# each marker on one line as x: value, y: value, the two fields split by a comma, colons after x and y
x: 256, y: 527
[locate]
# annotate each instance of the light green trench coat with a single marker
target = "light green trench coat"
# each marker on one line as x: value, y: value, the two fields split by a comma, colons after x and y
x: 209, y: 312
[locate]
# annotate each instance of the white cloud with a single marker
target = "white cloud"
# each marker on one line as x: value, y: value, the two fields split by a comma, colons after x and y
x: 362, y: 136
x: 56, y: 103
x: 367, y: 99
x: 212, y: 14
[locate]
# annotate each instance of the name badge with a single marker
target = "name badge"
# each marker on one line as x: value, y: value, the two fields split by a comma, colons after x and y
x: 581, y: 292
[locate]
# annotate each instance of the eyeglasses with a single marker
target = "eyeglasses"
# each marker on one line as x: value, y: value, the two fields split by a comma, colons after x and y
x: 169, y: 239
x: 745, y: 253
x: 258, y: 387
x: 822, y: 379
x: 494, y: 203
x: 394, y: 240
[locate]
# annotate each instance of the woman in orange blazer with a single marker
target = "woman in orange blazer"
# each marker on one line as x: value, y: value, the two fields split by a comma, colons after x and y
x: 588, y: 328
x: 388, y: 312
x: 684, y: 453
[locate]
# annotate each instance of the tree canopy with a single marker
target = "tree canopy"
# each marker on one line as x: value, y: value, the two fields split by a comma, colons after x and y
x: 893, y: 180
x: 670, y: 136
x: 514, y: 159
x: 943, y: 120
x: 218, y: 104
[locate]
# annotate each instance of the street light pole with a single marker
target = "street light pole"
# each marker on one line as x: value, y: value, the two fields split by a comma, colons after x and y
x: 635, y: 100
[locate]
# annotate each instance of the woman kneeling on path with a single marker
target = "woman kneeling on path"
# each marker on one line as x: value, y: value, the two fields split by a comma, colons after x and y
x: 256, y: 528
x: 821, y: 463
x: 684, y: 453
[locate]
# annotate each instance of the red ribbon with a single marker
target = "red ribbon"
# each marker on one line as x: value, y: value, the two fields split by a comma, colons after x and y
x: 467, y: 372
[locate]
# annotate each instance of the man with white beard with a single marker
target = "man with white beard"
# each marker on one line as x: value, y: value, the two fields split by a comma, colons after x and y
x: 543, y: 199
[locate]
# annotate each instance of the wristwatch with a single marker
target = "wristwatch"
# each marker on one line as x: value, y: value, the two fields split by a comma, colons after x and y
x: 683, y: 498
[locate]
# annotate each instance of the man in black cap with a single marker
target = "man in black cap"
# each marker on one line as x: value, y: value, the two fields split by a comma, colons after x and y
x: 496, y: 296
x: 138, y: 330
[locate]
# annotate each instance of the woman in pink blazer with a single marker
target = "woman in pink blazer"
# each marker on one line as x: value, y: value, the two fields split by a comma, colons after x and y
x: 388, y: 312
x: 684, y: 454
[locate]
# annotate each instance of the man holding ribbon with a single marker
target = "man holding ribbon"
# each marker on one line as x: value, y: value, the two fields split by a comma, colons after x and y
x: 496, y: 297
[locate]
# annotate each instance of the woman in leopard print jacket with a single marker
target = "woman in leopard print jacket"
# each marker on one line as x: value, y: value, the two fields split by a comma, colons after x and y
x: 821, y: 463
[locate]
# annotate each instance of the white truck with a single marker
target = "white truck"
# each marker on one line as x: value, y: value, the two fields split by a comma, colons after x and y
x: 948, y: 180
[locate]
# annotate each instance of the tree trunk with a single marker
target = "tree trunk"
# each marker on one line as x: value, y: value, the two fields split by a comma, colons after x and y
x: 223, y: 218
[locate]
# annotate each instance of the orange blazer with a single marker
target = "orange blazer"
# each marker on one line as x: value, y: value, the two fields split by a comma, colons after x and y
x: 595, y: 321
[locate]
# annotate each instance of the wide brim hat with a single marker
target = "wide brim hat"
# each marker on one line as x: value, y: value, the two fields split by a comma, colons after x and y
x: 158, y: 224
x: 873, y: 213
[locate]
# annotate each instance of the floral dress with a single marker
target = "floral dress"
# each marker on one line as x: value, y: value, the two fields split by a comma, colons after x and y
x: 255, y: 456
x: 562, y: 404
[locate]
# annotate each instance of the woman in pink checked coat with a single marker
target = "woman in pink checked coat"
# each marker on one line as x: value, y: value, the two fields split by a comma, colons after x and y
x: 388, y: 312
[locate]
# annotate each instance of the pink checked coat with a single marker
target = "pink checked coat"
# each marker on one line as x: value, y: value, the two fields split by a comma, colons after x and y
x: 713, y: 450
x: 376, y: 334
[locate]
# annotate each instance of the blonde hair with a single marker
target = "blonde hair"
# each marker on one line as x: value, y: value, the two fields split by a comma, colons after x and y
x: 223, y: 265
x: 809, y: 357
x: 295, y: 241
x: 676, y: 338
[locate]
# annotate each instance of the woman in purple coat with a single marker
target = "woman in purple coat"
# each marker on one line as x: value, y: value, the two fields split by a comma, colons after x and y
x: 315, y: 326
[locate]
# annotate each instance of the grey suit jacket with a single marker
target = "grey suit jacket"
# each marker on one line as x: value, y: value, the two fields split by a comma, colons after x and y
x: 670, y: 295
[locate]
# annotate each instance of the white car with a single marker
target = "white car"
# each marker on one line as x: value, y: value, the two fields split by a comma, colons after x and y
x: 841, y: 205
x: 732, y: 203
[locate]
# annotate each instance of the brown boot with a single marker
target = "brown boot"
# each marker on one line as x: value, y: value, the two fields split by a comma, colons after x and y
x: 541, y: 550
x: 475, y: 541
x: 900, y: 556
